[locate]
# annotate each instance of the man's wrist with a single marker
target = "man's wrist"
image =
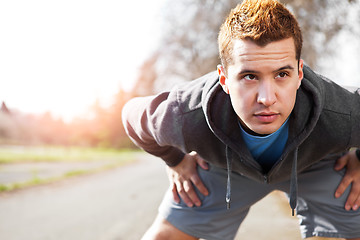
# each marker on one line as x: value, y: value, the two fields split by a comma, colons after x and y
x: 357, y: 153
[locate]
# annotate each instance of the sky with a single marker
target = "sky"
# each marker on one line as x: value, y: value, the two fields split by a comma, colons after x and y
x: 62, y: 56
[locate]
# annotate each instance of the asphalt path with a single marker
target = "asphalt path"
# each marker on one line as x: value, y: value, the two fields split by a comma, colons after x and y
x: 115, y: 204
x: 118, y: 204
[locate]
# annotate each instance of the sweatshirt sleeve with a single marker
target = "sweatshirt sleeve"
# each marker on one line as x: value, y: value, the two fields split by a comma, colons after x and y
x: 355, y: 119
x: 154, y: 124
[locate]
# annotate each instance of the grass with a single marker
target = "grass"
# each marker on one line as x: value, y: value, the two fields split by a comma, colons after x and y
x: 39, y: 181
x: 13, y: 155
x: 21, y: 154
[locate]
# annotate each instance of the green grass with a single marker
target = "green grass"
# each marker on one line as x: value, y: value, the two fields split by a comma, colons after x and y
x: 13, y: 155
x: 58, y: 154
x: 33, y: 182
x: 39, y: 181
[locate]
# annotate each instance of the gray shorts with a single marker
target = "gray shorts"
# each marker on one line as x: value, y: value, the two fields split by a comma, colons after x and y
x: 319, y: 212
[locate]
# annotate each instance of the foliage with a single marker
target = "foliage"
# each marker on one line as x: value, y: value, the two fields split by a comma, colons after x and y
x: 189, y: 39
x: 188, y: 49
x: 103, y: 129
x: 321, y: 22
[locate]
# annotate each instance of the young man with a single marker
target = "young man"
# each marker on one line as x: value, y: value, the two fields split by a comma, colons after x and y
x: 263, y: 122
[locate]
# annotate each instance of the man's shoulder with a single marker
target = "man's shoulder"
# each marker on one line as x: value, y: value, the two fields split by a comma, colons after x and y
x: 190, y: 95
x: 331, y: 95
x: 325, y: 84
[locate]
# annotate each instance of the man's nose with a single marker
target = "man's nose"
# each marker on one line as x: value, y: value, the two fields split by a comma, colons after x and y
x: 266, y: 94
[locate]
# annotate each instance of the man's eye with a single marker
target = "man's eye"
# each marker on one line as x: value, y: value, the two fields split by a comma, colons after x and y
x: 250, y: 77
x: 283, y: 74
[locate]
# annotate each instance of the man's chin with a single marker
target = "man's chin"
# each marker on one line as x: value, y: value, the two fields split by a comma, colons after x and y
x: 264, y: 129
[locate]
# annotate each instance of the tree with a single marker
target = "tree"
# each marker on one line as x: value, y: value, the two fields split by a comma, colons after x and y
x: 4, y: 108
x: 190, y: 27
x: 189, y: 42
x: 147, y: 76
x: 321, y: 22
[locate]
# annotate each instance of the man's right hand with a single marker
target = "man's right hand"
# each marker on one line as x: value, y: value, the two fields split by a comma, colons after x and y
x: 184, y: 176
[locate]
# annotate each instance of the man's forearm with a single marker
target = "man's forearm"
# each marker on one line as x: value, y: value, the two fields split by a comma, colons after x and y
x: 151, y: 124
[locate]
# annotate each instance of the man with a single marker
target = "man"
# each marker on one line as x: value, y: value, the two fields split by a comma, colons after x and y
x: 263, y: 122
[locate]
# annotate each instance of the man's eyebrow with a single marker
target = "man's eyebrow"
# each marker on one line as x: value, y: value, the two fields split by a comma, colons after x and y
x: 249, y: 71
x: 287, y: 67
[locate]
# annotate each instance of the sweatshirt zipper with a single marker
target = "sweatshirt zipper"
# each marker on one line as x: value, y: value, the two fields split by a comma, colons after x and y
x: 266, y: 178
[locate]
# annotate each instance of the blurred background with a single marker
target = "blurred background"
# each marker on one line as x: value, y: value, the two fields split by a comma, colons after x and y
x: 68, y: 67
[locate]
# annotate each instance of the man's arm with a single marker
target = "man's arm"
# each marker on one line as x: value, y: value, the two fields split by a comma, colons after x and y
x: 184, y: 177
x: 153, y: 124
x: 352, y: 176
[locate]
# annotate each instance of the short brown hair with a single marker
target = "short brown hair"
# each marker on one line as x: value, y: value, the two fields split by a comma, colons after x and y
x: 262, y: 21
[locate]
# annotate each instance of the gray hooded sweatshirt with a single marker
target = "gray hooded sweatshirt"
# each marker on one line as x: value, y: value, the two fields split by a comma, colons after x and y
x: 198, y: 116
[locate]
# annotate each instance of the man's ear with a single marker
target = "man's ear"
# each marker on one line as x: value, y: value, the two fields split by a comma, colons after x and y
x: 301, y: 71
x: 222, y: 78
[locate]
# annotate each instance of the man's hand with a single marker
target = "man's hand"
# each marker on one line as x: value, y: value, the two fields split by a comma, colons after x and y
x: 352, y: 176
x: 184, y: 176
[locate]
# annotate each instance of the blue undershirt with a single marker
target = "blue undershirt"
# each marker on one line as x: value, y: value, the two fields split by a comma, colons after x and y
x: 266, y: 150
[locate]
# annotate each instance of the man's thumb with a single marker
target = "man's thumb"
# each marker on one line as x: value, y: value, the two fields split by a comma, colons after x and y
x: 202, y: 163
x: 341, y: 163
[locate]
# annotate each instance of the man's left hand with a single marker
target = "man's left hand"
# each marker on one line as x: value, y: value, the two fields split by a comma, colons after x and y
x: 352, y: 176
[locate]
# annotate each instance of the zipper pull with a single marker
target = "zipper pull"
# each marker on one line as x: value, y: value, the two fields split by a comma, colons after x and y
x: 266, y: 180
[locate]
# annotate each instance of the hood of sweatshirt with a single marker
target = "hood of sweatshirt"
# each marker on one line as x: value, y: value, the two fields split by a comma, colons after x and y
x: 223, y: 122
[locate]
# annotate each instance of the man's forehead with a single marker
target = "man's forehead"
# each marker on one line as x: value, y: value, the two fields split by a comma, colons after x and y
x: 250, y: 51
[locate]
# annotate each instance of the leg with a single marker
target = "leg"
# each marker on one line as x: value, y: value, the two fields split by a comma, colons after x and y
x: 319, y: 212
x: 212, y: 220
x: 163, y: 230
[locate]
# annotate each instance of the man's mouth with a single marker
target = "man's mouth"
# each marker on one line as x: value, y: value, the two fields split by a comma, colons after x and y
x: 267, y: 117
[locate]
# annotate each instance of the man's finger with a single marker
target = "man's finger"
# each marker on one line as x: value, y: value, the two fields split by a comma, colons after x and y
x: 345, y: 182
x: 202, y: 163
x: 199, y: 185
x: 357, y: 204
x: 184, y: 196
x: 191, y: 194
x: 351, y: 202
x: 341, y: 163
x: 175, y: 194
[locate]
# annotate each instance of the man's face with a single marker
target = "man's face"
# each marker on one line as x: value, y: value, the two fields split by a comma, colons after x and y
x: 262, y: 83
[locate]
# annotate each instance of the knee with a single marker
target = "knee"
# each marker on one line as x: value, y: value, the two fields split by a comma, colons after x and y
x: 161, y: 229
x: 156, y: 232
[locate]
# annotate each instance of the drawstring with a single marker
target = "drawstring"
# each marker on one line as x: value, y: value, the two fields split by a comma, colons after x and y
x: 294, y: 184
x: 293, y: 180
x: 229, y: 169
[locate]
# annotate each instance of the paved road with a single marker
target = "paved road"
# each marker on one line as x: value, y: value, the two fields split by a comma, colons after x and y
x: 116, y: 205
